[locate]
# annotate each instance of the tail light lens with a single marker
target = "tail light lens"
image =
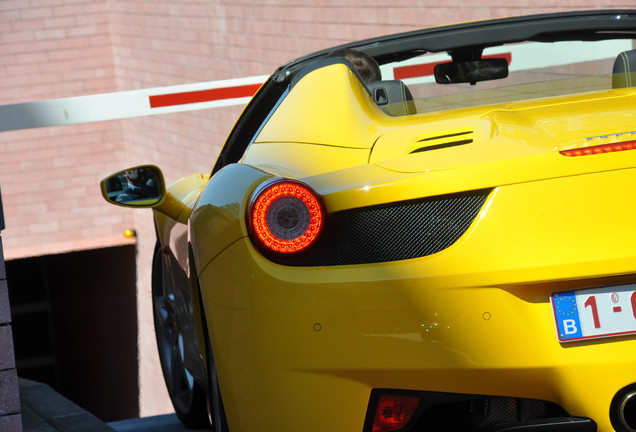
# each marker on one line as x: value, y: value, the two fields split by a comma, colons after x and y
x: 393, y: 412
x: 600, y: 149
x: 286, y: 216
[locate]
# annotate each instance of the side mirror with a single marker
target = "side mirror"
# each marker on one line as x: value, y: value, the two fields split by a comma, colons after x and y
x: 471, y: 71
x: 139, y: 187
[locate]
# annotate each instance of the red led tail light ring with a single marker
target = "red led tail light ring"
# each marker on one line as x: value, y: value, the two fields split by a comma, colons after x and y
x: 286, y: 216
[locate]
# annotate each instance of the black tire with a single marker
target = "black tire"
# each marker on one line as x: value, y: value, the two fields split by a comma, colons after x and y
x: 216, y: 412
x: 188, y: 398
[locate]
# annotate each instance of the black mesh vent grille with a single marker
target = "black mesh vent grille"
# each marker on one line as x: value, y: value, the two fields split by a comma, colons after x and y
x: 487, y: 414
x: 391, y: 232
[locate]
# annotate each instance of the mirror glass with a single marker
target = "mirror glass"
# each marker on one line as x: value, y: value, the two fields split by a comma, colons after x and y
x: 471, y: 71
x: 139, y: 187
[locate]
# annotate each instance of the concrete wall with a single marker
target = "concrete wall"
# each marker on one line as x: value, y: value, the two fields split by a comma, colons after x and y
x: 10, y: 418
x: 67, y: 48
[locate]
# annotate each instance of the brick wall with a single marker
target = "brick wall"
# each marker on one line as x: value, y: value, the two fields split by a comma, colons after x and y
x: 50, y: 176
x: 78, y: 47
x: 10, y: 418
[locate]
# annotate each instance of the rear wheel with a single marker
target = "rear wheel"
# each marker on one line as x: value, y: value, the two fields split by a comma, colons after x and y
x: 188, y: 398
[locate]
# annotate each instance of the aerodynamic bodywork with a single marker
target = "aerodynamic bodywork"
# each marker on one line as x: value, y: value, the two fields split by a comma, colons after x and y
x: 449, y: 248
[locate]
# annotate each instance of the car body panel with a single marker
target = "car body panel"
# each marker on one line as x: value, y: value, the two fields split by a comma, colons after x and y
x: 173, y: 240
x: 348, y: 116
x: 217, y: 221
x: 450, y: 314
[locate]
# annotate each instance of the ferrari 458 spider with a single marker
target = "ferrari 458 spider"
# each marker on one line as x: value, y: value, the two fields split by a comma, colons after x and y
x: 451, y: 247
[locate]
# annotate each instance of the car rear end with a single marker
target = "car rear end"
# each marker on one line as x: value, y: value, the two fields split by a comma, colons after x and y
x: 474, y: 267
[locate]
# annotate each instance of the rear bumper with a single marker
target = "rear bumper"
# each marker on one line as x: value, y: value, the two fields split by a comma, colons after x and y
x: 448, y: 412
x: 308, y: 346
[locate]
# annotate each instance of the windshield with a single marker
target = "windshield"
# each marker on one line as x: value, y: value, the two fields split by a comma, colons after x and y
x: 535, y: 70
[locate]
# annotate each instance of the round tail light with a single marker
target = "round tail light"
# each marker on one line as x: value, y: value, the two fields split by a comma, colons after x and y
x: 286, y: 216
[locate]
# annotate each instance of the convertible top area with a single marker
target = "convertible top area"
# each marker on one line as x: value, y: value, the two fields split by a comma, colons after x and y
x: 584, y: 25
x: 468, y: 37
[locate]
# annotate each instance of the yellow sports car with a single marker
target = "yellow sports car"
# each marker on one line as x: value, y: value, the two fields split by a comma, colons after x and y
x: 428, y: 231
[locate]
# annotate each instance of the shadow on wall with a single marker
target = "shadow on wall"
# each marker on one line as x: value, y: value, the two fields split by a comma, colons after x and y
x: 75, y: 327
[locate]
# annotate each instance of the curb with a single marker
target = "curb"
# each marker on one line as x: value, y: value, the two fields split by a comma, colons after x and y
x: 44, y: 410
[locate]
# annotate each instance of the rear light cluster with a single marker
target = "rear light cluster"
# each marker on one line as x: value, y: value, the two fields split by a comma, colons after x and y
x: 394, y: 412
x: 599, y: 149
x: 286, y: 216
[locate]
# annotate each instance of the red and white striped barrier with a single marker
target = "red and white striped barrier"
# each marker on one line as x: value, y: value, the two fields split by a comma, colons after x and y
x: 126, y: 104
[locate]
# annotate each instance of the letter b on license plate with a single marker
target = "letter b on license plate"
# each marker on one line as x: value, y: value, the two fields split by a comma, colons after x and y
x: 594, y: 313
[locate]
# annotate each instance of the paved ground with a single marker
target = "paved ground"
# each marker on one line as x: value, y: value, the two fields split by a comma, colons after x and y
x: 45, y: 410
x: 162, y: 423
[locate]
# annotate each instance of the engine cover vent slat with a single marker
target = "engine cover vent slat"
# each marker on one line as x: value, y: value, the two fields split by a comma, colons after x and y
x: 445, y: 140
x: 441, y: 146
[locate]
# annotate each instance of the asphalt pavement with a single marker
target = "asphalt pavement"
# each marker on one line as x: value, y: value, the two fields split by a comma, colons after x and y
x: 45, y: 410
x: 161, y: 423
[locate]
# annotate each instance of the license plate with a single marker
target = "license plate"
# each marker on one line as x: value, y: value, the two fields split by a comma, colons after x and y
x: 594, y: 313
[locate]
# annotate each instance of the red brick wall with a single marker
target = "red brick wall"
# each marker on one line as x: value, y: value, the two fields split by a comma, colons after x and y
x: 49, y: 176
x: 76, y: 47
